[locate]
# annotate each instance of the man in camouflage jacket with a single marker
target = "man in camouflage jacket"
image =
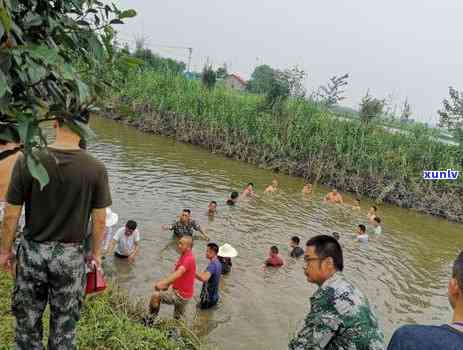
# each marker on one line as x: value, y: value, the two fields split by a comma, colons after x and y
x: 340, y: 317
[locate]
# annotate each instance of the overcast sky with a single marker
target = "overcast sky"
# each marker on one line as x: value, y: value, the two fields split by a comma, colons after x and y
x: 407, y: 48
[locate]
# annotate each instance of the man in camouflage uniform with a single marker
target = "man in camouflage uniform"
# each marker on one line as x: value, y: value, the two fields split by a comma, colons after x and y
x: 185, y: 226
x: 50, y: 260
x: 340, y: 317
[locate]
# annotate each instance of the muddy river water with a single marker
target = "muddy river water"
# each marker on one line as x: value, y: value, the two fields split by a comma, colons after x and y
x: 403, y: 272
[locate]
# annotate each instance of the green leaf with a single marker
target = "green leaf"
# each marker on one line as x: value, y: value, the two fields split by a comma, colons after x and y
x: 3, y: 84
x: 68, y: 72
x: 5, y: 19
x: 47, y: 54
x: 81, y: 129
x: 2, y: 30
x: 128, y: 14
x: 83, y: 91
x: 36, y: 72
x: 37, y: 170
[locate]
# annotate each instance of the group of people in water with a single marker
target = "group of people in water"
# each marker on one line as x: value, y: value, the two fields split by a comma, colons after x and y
x: 50, y: 260
x: 125, y: 244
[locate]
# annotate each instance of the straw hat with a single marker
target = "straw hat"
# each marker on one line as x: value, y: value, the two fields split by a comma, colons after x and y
x: 111, y: 218
x: 227, y: 251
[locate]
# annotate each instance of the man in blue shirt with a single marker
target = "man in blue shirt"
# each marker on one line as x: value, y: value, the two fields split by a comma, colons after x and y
x: 210, y: 278
x: 449, y: 336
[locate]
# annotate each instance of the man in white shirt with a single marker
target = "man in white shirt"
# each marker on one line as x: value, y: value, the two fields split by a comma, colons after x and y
x: 128, y: 242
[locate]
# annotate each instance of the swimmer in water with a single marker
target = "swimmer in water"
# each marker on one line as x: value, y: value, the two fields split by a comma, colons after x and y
x: 273, y: 187
x: 362, y: 235
x: 307, y: 189
x: 248, y: 191
x: 334, y: 197
x: 233, y: 198
x: 372, y: 211
x: 356, y: 205
x: 377, y: 229
x: 212, y: 209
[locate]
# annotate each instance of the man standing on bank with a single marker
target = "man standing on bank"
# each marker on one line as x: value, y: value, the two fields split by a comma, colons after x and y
x: 50, y: 260
x: 340, y: 316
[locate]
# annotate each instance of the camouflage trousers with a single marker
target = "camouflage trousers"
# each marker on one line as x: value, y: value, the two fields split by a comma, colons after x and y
x: 53, y: 273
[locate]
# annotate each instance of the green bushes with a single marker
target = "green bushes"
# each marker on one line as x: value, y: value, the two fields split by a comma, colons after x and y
x: 364, y: 158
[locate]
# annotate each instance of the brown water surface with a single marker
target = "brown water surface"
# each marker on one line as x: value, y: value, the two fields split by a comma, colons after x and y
x: 403, y: 272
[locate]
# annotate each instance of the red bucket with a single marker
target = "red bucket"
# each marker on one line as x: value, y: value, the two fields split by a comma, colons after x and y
x: 95, y: 282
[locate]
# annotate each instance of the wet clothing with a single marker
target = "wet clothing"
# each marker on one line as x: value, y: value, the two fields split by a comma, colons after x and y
x: 184, y: 286
x: 126, y: 244
x: 171, y: 297
x: 274, y: 261
x: 51, y: 266
x: 363, y: 238
x: 297, y: 252
x: 78, y: 184
x: 48, y: 272
x: 340, y: 318
x: 210, y: 290
x: 226, y: 264
x: 417, y: 337
x: 181, y: 230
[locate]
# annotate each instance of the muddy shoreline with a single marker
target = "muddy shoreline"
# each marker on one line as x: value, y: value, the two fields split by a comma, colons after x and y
x: 417, y: 195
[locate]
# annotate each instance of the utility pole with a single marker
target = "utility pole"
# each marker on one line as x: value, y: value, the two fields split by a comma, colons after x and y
x: 190, y: 54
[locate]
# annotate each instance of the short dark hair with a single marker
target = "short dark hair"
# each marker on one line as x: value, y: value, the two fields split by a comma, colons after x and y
x: 457, y: 271
x: 377, y: 219
x: 327, y: 247
x: 214, y: 247
x: 274, y: 249
x: 357, y: 199
x: 213, y: 202
x: 250, y: 184
x: 131, y: 225
x: 374, y: 207
x: 295, y: 239
x: 362, y: 228
x: 234, y: 195
x: 187, y: 211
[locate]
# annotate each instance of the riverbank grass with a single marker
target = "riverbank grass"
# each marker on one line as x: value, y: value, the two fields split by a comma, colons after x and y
x: 109, y: 321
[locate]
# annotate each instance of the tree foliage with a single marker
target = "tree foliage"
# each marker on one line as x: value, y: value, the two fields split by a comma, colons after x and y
x: 262, y: 79
x: 451, y: 116
x: 156, y: 62
x: 208, y: 76
x: 46, y: 48
x: 370, y: 108
x: 333, y: 92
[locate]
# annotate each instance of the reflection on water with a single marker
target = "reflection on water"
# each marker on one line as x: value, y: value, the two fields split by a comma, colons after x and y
x: 403, y: 272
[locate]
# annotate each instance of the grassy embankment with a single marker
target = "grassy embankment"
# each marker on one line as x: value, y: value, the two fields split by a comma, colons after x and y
x: 109, y: 321
x: 302, y: 139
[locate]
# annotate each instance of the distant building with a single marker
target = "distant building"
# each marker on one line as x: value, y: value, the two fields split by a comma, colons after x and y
x: 234, y: 81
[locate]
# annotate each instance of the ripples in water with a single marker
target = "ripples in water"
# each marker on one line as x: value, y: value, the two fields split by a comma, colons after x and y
x: 403, y: 272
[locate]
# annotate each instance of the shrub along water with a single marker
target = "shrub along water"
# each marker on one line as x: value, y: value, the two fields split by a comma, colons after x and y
x: 298, y: 137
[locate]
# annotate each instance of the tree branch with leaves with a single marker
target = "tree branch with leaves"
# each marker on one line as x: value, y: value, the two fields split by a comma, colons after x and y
x: 42, y: 43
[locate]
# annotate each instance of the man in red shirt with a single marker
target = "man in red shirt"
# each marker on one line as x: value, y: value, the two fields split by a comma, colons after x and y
x: 182, y: 281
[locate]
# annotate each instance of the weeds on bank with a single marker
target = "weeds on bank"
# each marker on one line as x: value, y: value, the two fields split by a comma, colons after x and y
x: 108, y: 321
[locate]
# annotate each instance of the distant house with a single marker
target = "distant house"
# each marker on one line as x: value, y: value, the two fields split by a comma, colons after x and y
x: 234, y: 81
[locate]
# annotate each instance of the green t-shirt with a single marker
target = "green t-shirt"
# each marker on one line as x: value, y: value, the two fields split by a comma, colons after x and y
x: 61, y: 211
